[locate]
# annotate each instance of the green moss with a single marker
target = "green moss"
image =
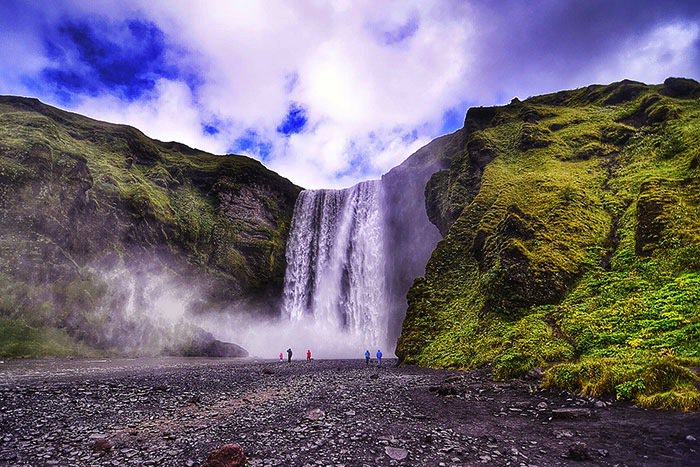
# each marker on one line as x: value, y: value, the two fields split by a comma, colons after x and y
x: 579, y: 255
x: 19, y: 340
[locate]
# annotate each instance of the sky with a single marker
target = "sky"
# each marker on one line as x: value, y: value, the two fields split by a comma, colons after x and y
x: 328, y: 93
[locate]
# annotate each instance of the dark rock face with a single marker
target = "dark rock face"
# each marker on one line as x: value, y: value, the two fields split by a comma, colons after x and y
x: 448, y: 191
x: 410, y: 235
x: 681, y: 87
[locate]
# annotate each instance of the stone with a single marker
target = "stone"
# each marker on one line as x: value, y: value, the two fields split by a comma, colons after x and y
x: 690, y: 438
x: 578, y: 452
x: 396, y: 453
x: 228, y: 455
x: 315, y: 414
x: 102, y: 445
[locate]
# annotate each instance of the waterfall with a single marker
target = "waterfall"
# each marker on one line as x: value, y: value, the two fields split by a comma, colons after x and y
x: 335, y: 274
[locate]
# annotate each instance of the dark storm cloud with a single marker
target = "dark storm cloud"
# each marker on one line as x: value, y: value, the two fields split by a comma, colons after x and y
x: 549, y: 42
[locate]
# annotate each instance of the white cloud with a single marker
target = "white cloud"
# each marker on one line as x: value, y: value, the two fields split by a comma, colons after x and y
x: 168, y: 113
x: 668, y: 50
x: 354, y: 87
x: 375, y: 78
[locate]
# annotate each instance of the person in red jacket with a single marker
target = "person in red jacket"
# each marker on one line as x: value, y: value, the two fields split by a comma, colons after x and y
x: 308, y: 355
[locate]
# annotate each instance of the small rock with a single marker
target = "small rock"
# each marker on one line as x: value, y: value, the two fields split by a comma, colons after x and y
x: 690, y: 438
x: 228, y: 455
x: 578, y: 452
x: 396, y: 453
x: 196, y: 399
x: 315, y: 414
x: 102, y: 445
x: 600, y: 404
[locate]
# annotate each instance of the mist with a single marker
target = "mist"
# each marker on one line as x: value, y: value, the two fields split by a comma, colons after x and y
x: 267, y: 338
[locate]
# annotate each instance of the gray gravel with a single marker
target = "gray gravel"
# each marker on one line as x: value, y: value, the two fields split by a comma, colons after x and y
x: 174, y: 411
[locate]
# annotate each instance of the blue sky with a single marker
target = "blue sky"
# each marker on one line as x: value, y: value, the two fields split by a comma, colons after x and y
x: 328, y: 93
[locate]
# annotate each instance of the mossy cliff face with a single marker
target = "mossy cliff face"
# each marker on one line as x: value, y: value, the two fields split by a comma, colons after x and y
x: 81, y: 200
x: 571, y: 243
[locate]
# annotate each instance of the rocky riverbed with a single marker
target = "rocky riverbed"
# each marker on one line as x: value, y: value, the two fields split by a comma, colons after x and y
x: 174, y: 411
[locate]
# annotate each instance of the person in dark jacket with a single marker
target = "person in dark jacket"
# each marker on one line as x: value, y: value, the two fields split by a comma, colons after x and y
x: 289, y: 355
x: 367, y: 357
x: 379, y: 357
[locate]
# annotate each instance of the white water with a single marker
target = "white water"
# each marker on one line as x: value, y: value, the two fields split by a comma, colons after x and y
x: 334, y: 285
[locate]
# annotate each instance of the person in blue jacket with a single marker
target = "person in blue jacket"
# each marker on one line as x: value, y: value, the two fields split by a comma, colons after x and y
x: 367, y: 357
x: 379, y: 357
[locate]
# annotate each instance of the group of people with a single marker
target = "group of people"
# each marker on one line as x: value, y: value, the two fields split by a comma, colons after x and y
x: 308, y: 356
x: 379, y: 357
x: 289, y: 355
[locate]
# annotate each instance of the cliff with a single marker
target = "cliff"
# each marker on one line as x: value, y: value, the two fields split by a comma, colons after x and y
x: 571, y: 245
x: 98, y: 222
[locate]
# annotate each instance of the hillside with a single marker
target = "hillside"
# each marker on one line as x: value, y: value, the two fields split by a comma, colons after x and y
x: 100, y: 224
x: 571, y: 226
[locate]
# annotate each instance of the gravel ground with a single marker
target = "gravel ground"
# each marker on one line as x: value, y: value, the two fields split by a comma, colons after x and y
x: 174, y: 411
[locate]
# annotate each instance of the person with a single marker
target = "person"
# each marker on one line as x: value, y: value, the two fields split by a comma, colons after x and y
x: 281, y: 357
x: 289, y: 355
x: 379, y: 357
x: 308, y: 355
x: 367, y: 357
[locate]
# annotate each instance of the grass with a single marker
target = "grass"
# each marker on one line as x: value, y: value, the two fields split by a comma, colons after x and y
x: 579, y: 252
x: 19, y: 340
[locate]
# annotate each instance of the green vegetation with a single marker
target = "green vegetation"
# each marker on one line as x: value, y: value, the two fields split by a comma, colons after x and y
x: 81, y: 199
x: 18, y: 339
x: 577, y: 250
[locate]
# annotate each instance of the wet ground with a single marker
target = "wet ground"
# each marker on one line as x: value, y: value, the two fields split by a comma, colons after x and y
x: 174, y: 411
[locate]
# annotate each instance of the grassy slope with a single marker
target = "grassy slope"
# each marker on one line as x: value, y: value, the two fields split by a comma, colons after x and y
x: 76, y: 194
x: 579, y: 252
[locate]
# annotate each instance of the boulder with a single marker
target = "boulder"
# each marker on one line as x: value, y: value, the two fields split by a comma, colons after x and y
x: 578, y: 452
x: 396, y: 453
x: 228, y: 455
x: 203, y: 344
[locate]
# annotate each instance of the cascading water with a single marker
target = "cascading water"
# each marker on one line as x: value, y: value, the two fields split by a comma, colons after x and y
x: 335, y: 276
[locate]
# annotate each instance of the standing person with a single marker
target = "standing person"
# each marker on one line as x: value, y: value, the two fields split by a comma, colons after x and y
x: 379, y: 357
x: 281, y: 357
x: 308, y: 355
x: 289, y: 355
x: 367, y: 357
